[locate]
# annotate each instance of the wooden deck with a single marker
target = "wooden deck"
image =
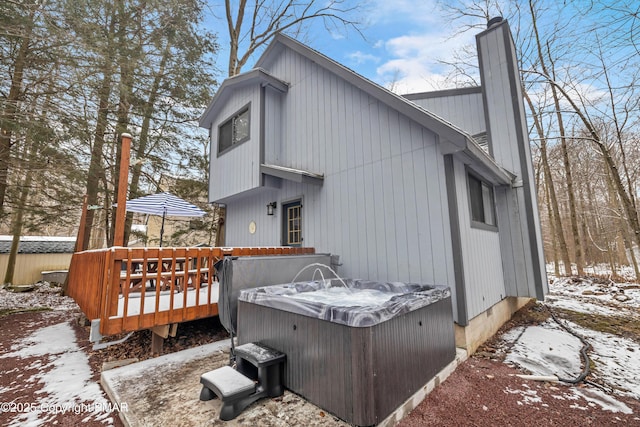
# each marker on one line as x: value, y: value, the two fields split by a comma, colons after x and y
x: 130, y: 289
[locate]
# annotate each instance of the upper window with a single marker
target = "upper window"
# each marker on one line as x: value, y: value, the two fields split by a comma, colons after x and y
x: 482, y: 202
x: 234, y: 131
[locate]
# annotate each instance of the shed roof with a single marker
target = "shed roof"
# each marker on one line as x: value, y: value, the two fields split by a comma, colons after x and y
x: 39, y: 245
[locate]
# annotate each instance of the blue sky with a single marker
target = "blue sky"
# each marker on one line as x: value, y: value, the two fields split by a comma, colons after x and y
x: 404, y: 41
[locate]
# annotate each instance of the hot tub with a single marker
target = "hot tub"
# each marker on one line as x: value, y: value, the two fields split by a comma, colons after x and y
x: 356, y: 348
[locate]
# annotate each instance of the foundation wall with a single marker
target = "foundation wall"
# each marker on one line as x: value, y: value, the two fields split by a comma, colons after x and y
x: 486, y: 324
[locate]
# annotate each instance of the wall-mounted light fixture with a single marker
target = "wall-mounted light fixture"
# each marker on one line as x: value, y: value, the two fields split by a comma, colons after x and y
x: 271, y: 207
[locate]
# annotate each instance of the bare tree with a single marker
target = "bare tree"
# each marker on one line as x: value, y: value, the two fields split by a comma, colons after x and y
x: 21, y: 38
x: 253, y: 26
x: 554, y: 212
x: 542, y: 60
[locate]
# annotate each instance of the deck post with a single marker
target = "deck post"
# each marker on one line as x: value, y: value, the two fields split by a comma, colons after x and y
x: 159, y: 334
x: 123, y: 186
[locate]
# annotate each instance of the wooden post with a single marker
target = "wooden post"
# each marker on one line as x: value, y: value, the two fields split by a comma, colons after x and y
x: 83, y: 222
x: 79, y: 247
x: 123, y: 186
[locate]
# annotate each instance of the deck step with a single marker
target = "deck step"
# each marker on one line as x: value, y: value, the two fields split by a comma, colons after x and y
x: 228, y: 383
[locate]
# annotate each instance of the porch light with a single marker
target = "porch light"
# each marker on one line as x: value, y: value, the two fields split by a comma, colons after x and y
x: 270, y: 207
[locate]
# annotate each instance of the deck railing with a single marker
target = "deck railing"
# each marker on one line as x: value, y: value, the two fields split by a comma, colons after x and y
x: 131, y: 289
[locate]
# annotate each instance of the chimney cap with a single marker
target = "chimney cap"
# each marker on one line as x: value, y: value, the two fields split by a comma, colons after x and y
x: 493, y: 21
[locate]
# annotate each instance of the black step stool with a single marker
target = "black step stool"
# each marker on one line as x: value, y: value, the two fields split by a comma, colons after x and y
x: 258, y: 374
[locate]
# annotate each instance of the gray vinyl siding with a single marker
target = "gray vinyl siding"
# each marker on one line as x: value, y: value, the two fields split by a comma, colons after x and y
x: 244, y: 158
x: 484, y: 279
x: 464, y: 111
x: 382, y: 206
x: 502, y: 135
x: 514, y: 264
x: 274, y: 125
x: 509, y: 143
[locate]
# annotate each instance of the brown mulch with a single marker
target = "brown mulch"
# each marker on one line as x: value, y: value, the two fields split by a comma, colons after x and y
x: 138, y: 346
x: 484, y: 391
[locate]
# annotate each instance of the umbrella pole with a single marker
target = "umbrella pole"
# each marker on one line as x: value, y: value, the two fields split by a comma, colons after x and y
x: 162, y: 228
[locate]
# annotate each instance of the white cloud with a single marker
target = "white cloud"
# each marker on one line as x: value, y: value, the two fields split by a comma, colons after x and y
x: 360, y: 57
x: 413, y: 65
x: 411, y: 38
x: 336, y: 35
x: 410, y: 76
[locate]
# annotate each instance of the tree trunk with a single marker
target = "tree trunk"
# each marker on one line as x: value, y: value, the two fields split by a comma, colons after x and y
x: 234, y: 35
x: 95, y: 164
x: 552, y: 232
x: 9, y: 114
x: 141, y: 151
x: 583, y: 223
x: 559, y: 232
x: 123, y: 121
x: 632, y: 255
x: 568, y: 177
x: 16, y: 227
x: 626, y: 199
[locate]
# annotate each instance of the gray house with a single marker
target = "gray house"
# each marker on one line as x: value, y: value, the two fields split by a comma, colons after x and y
x: 430, y: 187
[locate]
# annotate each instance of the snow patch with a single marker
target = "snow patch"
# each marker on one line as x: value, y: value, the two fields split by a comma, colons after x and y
x: 600, y: 398
x: 43, y: 296
x: 63, y: 372
x: 547, y: 350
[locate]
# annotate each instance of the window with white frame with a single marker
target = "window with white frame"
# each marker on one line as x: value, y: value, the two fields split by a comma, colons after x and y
x: 234, y: 131
x: 292, y: 223
x: 481, y: 202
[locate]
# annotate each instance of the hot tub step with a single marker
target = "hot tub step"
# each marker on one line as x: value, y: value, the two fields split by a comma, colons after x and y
x: 227, y: 383
x: 234, y: 389
x: 259, y: 375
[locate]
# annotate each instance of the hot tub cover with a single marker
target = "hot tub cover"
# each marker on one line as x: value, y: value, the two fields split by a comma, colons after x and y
x: 362, y: 303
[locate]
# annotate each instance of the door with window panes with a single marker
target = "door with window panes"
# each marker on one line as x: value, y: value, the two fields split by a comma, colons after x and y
x: 292, y: 223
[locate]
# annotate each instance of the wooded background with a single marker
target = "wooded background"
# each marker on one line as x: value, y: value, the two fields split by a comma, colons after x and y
x: 76, y: 74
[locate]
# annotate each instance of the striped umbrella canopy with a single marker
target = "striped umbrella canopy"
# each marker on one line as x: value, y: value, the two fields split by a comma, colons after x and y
x: 163, y: 204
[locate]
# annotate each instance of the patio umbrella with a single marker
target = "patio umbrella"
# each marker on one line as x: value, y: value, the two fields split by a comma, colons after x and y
x: 163, y: 204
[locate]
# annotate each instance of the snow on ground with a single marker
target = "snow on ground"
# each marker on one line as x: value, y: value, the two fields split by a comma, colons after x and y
x: 63, y: 375
x: 548, y: 349
x: 581, y: 293
x: 43, y: 296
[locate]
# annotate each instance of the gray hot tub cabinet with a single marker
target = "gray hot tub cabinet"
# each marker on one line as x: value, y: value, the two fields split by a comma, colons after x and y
x: 360, y: 374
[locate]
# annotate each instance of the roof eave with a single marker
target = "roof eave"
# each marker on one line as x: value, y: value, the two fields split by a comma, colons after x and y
x: 291, y: 174
x: 484, y: 163
x: 257, y: 75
